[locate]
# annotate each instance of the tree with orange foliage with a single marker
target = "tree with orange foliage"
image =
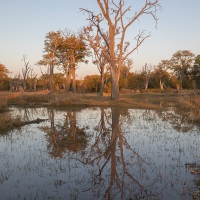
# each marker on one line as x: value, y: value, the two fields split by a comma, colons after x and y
x: 52, y: 42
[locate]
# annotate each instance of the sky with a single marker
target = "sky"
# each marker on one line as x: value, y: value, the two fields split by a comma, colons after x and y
x: 24, y: 24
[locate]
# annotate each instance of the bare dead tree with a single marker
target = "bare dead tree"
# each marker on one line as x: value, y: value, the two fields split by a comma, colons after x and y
x: 25, y: 71
x: 147, y: 72
x: 119, y: 19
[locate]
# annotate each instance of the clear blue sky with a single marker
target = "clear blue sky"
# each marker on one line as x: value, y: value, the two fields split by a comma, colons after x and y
x: 24, y: 23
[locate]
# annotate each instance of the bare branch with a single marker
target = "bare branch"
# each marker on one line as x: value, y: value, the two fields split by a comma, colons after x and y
x: 115, y: 13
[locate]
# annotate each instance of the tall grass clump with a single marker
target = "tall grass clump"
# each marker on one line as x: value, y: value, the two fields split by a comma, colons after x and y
x: 8, y: 122
x: 3, y: 103
x: 192, y: 105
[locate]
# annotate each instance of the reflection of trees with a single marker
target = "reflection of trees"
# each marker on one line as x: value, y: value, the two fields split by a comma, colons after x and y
x: 27, y: 114
x: 117, y: 171
x: 16, y: 118
x: 172, y: 115
x: 117, y: 137
x: 180, y: 119
x: 65, y: 135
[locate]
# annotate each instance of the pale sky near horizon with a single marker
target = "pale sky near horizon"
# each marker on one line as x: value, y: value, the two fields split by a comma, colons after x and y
x: 24, y: 23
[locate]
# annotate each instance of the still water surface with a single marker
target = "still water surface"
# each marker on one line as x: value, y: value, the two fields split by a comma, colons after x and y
x: 99, y: 153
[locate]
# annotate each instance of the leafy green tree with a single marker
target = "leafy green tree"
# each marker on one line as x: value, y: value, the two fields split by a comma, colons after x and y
x: 4, y: 80
x: 132, y: 81
x: 160, y: 78
x: 181, y: 63
x: 59, y: 81
x: 43, y: 81
x: 197, y: 60
x: 91, y: 83
x: 195, y: 73
x: 125, y: 70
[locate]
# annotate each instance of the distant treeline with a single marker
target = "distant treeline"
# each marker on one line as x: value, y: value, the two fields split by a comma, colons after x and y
x: 181, y: 72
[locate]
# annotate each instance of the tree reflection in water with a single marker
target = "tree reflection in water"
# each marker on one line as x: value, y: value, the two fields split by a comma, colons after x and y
x: 180, y: 121
x: 97, y: 153
x: 110, y: 159
x: 66, y: 136
x: 121, y: 177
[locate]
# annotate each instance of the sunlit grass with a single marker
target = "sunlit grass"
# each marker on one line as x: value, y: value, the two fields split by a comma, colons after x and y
x: 145, y: 100
x: 130, y: 100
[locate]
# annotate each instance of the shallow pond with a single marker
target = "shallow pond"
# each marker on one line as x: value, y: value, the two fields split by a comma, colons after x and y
x: 100, y: 153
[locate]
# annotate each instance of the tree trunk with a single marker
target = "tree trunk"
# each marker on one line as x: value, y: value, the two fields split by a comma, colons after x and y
x: 114, y: 68
x: 102, y: 82
x: 24, y: 85
x: 181, y: 82
x: 68, y: 79
x: 161, y: 85
x: 115, y: 84
x: 11, y: 85
x: 74, y: 78
x: 177, y: 87
x: 115, y: 88
x: 21, y: 89
x: 35, y: 84
x: 51, y: 80
x: 146, y: 85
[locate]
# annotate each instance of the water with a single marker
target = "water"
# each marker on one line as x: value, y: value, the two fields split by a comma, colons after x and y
x: 99, y: 153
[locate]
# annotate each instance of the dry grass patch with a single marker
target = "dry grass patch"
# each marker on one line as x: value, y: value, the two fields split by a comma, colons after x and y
x: 191, y: 104
x: 146, y: 101
x: 67, y: 99
x: 28, y: 98
x: 129, y: 100
x: 3, y: 103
